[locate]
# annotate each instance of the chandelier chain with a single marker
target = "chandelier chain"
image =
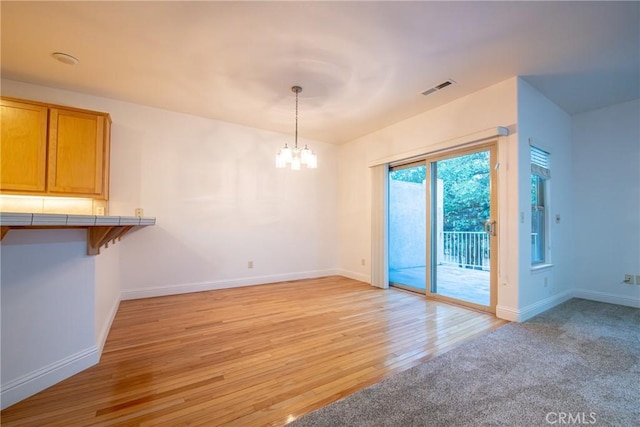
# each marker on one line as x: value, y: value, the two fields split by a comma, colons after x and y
x: 297, y: 91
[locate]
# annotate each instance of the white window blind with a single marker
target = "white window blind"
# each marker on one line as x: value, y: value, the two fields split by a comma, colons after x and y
x: 540, y: 164
x: 379, y: 226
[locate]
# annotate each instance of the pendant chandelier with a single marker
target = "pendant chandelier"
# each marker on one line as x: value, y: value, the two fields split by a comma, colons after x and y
x: 296, y: 156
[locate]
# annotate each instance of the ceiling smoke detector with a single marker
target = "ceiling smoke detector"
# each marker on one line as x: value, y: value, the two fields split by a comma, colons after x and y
x: 65, y: 58
x: 438, y: 87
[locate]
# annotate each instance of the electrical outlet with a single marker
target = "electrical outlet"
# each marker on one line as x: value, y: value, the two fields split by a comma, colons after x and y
x: 100, y: 210
x: 250, y: 264
x: 139, y: 212
x: 637, y: 279
x: 628, y: 279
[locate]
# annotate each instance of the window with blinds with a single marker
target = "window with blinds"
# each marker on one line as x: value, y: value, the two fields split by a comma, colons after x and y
x: 540, y: 163
x: 540, y: 173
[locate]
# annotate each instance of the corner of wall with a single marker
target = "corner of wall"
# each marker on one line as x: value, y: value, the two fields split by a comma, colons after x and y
x: 531, y: 310
x: 101, y: 338
x: 544, y: 124
x: 366, y: 278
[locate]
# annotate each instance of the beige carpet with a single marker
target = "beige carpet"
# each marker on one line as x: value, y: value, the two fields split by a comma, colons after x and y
x: 576, y: 364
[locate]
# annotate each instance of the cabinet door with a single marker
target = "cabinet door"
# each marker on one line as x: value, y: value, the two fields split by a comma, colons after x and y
x: 76, y: 152
x: 23, y: 146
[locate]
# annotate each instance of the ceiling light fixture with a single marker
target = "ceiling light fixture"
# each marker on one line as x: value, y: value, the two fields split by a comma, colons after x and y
x: 296, y: 156
x: 65, y: 58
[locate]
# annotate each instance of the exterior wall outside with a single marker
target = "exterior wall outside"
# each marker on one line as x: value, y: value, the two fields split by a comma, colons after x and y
x: 408, y: 248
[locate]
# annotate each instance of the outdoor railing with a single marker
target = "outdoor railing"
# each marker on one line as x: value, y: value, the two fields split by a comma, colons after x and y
x: 468, y: 249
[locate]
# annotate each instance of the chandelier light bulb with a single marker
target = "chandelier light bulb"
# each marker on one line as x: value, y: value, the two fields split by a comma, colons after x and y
x: 312, y: 162
x: 287, y: 154
x: 295, y: 163
x: 305, y: 153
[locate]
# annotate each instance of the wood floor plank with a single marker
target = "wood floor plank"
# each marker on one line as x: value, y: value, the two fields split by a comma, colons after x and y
x: 254, y: 356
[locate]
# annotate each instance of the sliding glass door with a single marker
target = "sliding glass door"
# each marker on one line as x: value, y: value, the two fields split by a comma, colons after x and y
x: 407, y: 226
x: 462, y: 230
x: 442, y: 232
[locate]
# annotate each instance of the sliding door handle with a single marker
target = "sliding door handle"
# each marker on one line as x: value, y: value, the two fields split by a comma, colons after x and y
x: 490, y: 227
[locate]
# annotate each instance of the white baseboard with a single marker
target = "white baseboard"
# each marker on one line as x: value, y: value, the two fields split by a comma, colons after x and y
x: 538, y: 307
x: 223, y: 284
x: 104, y: 332
x: 527, y: 312
x: 355, y: 276
x: 607, y: 297
x: 36, y: 381
x: 507, y: 313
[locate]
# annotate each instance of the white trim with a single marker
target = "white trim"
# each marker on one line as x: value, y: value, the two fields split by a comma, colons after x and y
x: 525, y: 313
x: 27, y: 385
x: 607, y: 297
x: 538, y: 307
x: 106, y: 327
x: 507, y: 313
x: 444, y: 145
x: 537, y: 268
x: 223, y: 284
x: 355, y: 276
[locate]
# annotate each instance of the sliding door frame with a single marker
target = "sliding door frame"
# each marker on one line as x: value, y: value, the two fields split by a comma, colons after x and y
x: 492, y: 147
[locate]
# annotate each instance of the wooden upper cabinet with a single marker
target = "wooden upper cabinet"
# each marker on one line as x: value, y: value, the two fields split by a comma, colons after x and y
x: 23, y: 146
x: 76, y: 152
x: 70, y: 158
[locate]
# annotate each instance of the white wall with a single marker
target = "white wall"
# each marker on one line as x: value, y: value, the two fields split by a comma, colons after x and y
x: 217, y: 197
x: 548, y: 127
x: 606, y: 186
x: 489, y: 108
x: 220, y: 203
x: 107, y: 290
x: 47, y: 293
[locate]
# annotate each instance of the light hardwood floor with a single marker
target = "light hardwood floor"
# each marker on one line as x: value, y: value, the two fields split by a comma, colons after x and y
x: 253, y: 356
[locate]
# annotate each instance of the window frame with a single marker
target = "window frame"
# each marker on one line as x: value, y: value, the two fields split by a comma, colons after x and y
x: 540, y: 170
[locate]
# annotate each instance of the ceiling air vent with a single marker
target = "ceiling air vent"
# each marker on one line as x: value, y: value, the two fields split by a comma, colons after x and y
x: 438, y: 87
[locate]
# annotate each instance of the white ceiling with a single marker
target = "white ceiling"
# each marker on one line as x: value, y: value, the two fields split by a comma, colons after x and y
x: 362, y: 65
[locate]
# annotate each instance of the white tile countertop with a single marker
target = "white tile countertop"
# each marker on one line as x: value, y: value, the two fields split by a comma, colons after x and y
x: 62, y: 220
x: 101, y: 230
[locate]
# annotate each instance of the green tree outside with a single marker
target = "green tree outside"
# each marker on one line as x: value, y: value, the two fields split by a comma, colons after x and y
x: 466, y: 186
